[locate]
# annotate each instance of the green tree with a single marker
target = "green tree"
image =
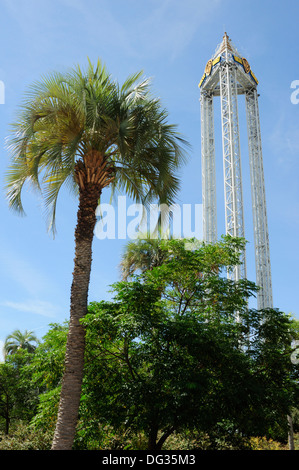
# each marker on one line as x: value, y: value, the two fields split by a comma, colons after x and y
x: 46, y: 371
x: 83, y: 129
x: 18, y: 398
x: 18, y: 340
x: 141, y: 255
x: 167, y: 354
x: 47, y: 362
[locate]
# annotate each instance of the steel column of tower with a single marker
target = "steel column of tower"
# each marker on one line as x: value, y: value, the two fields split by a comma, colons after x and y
x: 208, y: 169
x: 228, y: 75
x: 260, y: 224
x: 234, y: 219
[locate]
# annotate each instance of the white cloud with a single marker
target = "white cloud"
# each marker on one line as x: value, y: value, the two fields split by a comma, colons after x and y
x: 284, y: 141
x: 149, y: 29
x: 23, y: 272
x: 100, y: 24
x: 28, y: 14
x: 170, y: 26
x: 37, y: 307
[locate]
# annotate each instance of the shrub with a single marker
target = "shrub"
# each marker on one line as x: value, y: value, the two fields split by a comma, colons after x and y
x: 23, y: 437
x: 262, y: 443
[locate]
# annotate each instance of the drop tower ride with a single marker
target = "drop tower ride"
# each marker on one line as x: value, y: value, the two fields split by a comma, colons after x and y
x: 228, y: 75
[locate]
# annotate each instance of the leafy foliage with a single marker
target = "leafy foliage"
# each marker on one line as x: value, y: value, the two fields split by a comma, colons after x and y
x: 168, y: 353
x: 18, y: 396
x: 168, y: 366
x: 25, y: 438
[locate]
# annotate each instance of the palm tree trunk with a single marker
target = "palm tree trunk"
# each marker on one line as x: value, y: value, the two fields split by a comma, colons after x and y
x: 74, y: 358
x: 291, y: 434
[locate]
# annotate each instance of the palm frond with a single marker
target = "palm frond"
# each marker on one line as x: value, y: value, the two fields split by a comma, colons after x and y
x: 65, y: 116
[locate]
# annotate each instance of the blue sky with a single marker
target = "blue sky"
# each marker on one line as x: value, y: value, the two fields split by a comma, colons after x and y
x: 171, y: 41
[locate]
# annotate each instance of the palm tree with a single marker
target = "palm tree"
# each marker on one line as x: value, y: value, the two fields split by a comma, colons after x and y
x: 82, y: 129
x: 18, y: 340
x: 142, y: 254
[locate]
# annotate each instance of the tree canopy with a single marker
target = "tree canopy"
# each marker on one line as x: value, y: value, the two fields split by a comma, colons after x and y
x: 169, y: 356
x: 168, y: 353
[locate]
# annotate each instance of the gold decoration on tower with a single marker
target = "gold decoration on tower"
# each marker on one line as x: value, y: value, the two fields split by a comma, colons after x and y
x: 246, y: 65
x: 208, y: 67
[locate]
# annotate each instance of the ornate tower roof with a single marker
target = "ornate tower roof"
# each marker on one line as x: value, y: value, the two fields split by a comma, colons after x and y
x: 226, y: 46
x: 227, y: 52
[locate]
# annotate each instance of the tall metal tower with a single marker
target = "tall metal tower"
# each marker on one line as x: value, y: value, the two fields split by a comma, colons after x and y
x: 228, y: 75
